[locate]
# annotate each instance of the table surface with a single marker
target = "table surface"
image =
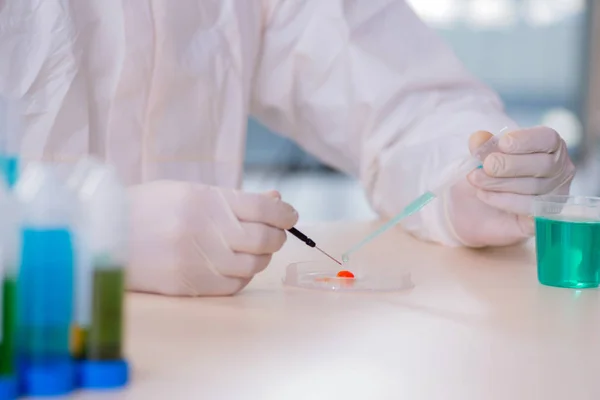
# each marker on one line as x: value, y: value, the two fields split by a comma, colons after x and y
x: 477, y: 325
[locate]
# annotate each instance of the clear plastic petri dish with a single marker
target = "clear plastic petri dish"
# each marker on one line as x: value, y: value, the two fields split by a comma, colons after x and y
x: 322, y: 275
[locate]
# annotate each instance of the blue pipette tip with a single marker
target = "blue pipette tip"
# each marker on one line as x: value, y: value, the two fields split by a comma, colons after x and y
x: 51, y: 379
x: 102, y: 375
x: 8, y: 388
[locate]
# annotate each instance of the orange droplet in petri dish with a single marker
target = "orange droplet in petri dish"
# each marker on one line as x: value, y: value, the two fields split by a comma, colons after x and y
x: 345, y: 274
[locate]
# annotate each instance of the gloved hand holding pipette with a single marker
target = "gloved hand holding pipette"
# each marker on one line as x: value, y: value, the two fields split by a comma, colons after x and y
x: 493, y: 207
x: 515, y: 167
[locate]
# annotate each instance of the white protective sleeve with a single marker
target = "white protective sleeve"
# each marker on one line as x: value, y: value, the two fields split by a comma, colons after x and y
x: 369, y: 89
x: 53, y: 60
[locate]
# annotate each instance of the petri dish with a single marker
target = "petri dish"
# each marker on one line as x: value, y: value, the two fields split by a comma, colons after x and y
x: 322, y: 275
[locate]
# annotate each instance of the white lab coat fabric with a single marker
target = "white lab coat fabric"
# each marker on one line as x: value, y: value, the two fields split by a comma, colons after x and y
x: 162, y: 89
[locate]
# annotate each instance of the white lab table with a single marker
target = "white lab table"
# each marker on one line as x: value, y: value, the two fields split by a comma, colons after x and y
x: 477, y: 325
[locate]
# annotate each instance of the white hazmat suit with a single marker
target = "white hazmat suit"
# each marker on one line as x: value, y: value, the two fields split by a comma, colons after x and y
x: 162, y: 89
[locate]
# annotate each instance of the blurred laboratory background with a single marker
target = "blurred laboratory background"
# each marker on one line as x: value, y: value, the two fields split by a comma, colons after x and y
x: 543, y: 58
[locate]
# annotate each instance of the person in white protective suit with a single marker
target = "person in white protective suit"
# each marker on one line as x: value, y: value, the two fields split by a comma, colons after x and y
x: 162, y: 89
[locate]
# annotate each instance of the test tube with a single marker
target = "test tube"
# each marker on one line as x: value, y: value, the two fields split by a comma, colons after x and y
x: 45, y: 283
x: 10, y: 129
x: 102, y: 233
x: 83, y: 264
x: 8, y: 289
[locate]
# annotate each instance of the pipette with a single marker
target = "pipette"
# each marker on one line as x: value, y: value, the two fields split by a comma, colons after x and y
x: 309, y: 242
x: 463, y: 167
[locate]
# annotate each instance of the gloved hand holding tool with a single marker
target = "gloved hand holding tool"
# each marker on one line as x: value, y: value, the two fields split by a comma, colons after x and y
x: 191, y: 239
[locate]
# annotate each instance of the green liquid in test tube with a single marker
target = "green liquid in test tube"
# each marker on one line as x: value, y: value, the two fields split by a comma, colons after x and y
x: 102, y: 340
x: 8, y: 293
x: 7, y: 346
x: 8, y: 373
x: 102, y: 239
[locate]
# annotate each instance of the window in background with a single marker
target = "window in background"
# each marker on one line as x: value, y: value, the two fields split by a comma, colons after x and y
x: 531, y: 51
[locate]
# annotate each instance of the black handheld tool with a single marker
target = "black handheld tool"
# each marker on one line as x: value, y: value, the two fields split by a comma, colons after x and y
x: 309, y: 242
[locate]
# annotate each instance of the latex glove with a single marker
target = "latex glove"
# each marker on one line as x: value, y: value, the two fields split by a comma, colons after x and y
x: 493, y: 206
x: 194, y: 240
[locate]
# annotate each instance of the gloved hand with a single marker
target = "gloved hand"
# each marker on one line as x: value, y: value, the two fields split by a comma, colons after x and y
x: 493, y: 206
x: 194, y: 240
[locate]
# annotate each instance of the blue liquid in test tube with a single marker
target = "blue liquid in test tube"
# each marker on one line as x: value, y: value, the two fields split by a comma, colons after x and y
x: 45, y: 290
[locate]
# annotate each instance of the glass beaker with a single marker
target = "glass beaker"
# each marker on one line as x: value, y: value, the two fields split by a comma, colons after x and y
x: 568, y: 241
